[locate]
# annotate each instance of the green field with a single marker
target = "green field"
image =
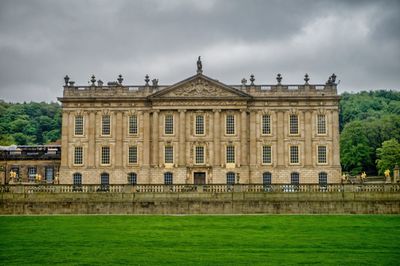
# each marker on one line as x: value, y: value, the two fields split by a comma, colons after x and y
x: 200, y: 240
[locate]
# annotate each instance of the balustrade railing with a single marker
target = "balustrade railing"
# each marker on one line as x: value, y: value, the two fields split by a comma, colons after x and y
x: 190, y: 188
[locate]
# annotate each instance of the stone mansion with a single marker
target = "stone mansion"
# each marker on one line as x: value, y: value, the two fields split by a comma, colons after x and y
x: 200, y: 131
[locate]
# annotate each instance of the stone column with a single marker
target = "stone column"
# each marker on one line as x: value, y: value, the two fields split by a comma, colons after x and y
x: 253, y: 138
x: 308, y: 152
x: 146, y: 138
x: 217, y: 138
x: 182, y: 137
x: 335, y: 138
x: 280, y: 136
x: 243, y: 137
x: 64, y: 139
x: 118, y: 140
x: 91, y: 153
x: 154, y: 140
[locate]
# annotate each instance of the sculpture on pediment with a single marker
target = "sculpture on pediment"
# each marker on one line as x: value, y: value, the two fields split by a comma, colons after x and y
x: 199, y: 66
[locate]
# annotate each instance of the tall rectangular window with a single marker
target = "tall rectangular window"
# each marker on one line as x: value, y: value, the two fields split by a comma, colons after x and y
x: 49, y: 174
x: 105, y: 125
x: 230, y: 154
x: 32, y: 174
x: 230, y: 125
x: 78, y: 155
x: 266, y: 154
x: 105, y: 155
x: 266, y: 124
x: 199, y: 151
x: 169, y: 154
x: 132, y: 154
x: 78, y: 125
x: 199, y: 124
x: 321, y: 124
x: 294, y: 154
x: 294, y: 124
x: 133, y: 125
x: 169, y: 124
x: 321, y: 154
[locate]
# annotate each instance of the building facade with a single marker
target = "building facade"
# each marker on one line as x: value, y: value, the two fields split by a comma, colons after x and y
x: 200, y: 131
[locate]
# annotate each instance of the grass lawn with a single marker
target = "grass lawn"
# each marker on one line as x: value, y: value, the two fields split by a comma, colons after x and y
x: 200, y: 240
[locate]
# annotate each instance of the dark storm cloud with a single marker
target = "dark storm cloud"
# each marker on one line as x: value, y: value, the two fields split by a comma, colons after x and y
x: 41, y: 41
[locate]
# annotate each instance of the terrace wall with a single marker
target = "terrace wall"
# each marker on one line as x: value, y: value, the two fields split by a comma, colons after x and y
x: 333, y: 202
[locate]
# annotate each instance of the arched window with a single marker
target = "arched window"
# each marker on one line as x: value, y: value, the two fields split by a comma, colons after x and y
x: 267, y: 177
x: 322, y: 178
x: 132, y: 178
x: 294, y: 178
x: 168, y: 178
x: 77, y: 178
x: 230, y: 178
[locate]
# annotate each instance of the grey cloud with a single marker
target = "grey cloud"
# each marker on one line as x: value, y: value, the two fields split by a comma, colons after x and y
x: 41, y: 41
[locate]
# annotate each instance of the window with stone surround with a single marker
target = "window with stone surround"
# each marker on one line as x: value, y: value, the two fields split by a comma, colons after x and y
x: 105, y: 155
x: 294, y: 178
x: 104, y: 181
x: 321, y: 124
x: 168, y: 178
x: 77, y: 179
x: 230, y: 125
x: 78, y: 155
x: 230, y: 178
x: 133, y: 125
x: 266, y: 154
x: 199, y: 153
x: 266, y: 124
x: 169, y: 154
x: 267, y: 178
x: 322, y: 179
x: 321, y: 154
x: 294, y: 154
x: 49, y: 174
x: 294, y: 124
x: 132, y: 178
x: 199, y: 124
x: 106, y: 125
x: 32, y: 171
x: 78, y: 125
x: 169, y: 124
x: 132, y: 155
x: 230, y: 154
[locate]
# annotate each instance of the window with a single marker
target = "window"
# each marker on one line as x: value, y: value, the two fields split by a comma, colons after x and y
x: 78, y: 125
x: 321, y: 154
x: 230, y: 125
x: 230, y: 154
x: 105, y: 155
x: 294, y: 178
x: 199, y: 124
x: 106, y: 124
x: 132, y: 154
x: 32, y: 174
x: 267, y: 178
x: 169, y: 154
x: 168, y: 178
x: 49, y: 174
x: 323, y: 179
x: 294, y: 154
x: 78, y: 155
x: 266, y: 124
x: 266, y: 154
x: 104, y: 182
x: 199, y: 151
x: 230, y: 178
x: 133, y: 125
x: 294, y: 124
x: 169, y: 125
x: 321, y: 124
x: 132, y: 179
x: 77, y: 179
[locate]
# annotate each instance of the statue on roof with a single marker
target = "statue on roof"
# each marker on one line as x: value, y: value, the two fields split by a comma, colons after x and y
x: 199, y: 66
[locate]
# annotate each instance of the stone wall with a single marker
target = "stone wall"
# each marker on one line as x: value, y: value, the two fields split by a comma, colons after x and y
x: 201, y: 203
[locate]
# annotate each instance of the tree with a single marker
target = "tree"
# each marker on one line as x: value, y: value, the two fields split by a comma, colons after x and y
x: 388, y: 155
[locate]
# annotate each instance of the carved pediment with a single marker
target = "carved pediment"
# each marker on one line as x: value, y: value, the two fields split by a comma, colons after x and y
x: 199, y: 86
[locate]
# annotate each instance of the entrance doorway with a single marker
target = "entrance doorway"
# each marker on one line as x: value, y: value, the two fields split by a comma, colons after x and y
x: 199, y: 178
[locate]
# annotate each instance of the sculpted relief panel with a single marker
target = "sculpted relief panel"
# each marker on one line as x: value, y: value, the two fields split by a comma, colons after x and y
x: 199, y: 88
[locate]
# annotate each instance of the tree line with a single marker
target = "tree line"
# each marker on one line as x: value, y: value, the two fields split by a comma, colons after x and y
x: 369, y: 124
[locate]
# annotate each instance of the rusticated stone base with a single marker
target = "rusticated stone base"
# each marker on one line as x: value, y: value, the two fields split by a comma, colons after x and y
x: 200, y: 203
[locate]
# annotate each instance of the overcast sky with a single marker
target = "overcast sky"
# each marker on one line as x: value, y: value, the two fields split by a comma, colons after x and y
x: 42, y: 41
